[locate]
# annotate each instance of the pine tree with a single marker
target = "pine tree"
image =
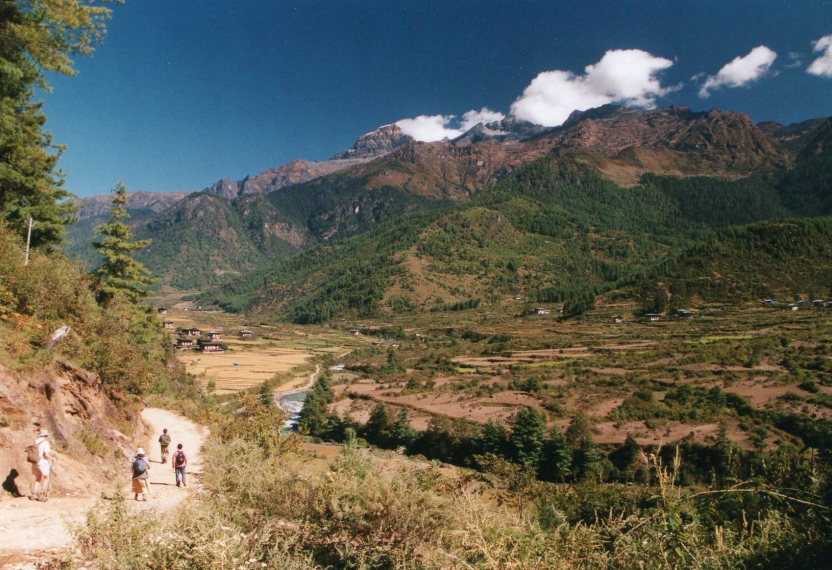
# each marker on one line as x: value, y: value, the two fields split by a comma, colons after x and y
x: 528, y: 433
x: 578, y: 430
x: 267, y: 395
x: 557, y: 458
x: 493, y: 439
x: 36, y: 37
x: 402, y: 432
x: 625, y: 457
x: 378, y: 428
x: 394, y: 363
x: 120, y: 274
x: 589, y: 460
x: 313, y: 417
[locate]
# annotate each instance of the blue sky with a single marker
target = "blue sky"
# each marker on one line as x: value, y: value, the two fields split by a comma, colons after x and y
x: 183, y: 93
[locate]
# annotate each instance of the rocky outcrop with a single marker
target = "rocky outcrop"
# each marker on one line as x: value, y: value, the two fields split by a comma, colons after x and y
x: 90, y: 428
x: 293, y: 172
x: 509, y: 130
x: 380, y: 142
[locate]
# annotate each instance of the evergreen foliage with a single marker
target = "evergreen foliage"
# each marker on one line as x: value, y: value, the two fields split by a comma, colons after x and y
x: 314, y: 419
x: 120, y: 274
x: 796, y: 255
x: 528, y: 434
x: 38, y: 37
x: 555, y: 227
x: 120, y: 341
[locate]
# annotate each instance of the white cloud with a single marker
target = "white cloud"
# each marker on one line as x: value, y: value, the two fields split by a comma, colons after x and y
x: 741, y: 71
x: 621, y: 76
x: 485, y: 115
x: 429, y: 128
x: 822, y: 66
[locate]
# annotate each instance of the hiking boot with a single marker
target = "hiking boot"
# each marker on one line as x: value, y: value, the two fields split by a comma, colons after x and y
x: 42, y: 499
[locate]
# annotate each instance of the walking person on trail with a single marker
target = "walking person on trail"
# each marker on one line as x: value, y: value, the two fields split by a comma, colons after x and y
x: 164, y: 442
x: 180, y: 462
x: 141, y: 483
x: 39, y: 454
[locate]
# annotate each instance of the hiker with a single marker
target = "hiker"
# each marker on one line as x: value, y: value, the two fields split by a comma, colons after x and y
x: 42, y: 468
x: 164, y: 442
x: 141, y: 466
x: 180, y: 461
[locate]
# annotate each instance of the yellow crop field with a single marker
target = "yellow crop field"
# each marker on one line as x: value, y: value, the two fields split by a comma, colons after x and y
x: 274, y: 350
x: 239, y: 370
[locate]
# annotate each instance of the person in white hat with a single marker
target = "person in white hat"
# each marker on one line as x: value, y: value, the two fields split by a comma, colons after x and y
x: 141, y: 466
x: 43, y: 468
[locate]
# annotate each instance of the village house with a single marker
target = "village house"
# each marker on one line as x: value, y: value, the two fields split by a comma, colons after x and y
x: 191, y: 332
x: 167, y: 324
x: 212, y: 347
x: 214, y: 335
x: 541, y: 311
x: 769, y: 303
x: 792, y: 307
x: 185, y: 343
x: 356, y: 331
x: 684, y: 313
x: 652, y: 317
x: 246, y: 334
x: 617, y: 319
x: 162, y: 311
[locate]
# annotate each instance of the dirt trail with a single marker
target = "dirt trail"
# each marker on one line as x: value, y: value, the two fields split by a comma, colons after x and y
x: 31, y: 531
x: 278, y: 396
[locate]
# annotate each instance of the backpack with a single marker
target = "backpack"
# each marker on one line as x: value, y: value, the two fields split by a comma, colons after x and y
x: 32, y: 455
x: 164, y: 439
x: 139, y: 467
x: 179, y: 458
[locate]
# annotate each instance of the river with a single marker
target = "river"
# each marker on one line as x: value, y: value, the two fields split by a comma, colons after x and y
x: 292, y: 404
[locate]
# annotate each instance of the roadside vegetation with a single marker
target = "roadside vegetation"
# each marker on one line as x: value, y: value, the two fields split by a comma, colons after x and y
x: 268, y: 505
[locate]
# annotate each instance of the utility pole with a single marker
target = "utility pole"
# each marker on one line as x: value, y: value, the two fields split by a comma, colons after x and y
x: 28, y: 240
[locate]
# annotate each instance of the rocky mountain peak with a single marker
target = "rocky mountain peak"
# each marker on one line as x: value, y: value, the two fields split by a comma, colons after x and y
x: 225, y: 188
x: 510, y: 129
x: 379, y: 142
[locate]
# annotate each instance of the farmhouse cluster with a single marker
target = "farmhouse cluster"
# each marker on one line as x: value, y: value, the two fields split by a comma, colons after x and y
x: 802, y: 305
x: 192, y: 338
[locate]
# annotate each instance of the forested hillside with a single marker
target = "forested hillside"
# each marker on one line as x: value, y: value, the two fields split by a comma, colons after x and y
x: 778, y: 259
x: 716, y: 168
x: 556, y: 230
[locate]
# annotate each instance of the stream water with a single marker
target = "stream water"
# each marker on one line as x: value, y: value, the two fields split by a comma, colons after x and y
x: 293, y: 405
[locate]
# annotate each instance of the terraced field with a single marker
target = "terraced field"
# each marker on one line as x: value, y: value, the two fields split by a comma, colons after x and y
x: 278, y: 353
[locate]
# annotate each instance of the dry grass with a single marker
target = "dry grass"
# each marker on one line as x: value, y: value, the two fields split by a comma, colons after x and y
x: 275, y: 352
x: 233, y: 371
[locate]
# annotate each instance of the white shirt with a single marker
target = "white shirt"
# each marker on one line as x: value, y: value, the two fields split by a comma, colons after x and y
x: 43, y: 449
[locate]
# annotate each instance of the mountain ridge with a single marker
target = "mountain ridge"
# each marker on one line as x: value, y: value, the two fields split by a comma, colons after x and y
x: 288, y: 209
